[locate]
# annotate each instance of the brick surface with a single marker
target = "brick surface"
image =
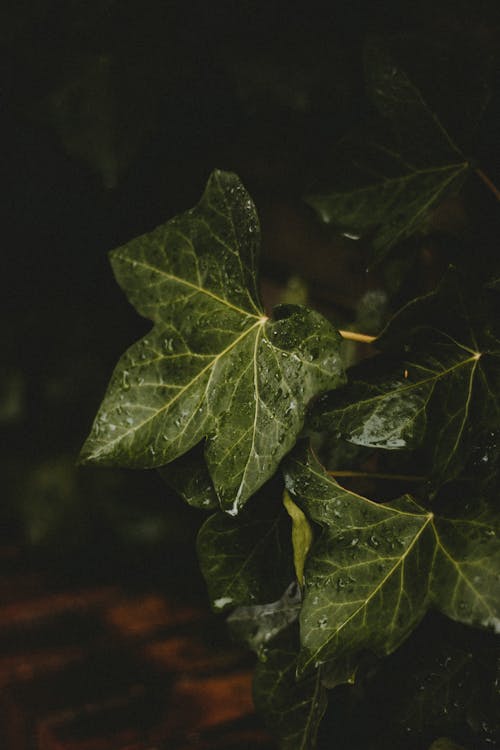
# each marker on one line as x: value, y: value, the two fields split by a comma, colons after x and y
x: 100, y: 668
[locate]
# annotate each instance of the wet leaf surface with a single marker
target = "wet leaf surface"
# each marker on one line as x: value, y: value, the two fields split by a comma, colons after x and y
x: 376, y: 568
x: 435, y: 382
x: 213, y: 366
x: 235, y: 553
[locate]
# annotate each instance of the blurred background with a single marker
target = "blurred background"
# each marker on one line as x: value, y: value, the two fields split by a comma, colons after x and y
x: 113, y: 116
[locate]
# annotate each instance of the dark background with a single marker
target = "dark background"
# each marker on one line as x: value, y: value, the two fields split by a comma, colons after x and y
x: 113, y: 115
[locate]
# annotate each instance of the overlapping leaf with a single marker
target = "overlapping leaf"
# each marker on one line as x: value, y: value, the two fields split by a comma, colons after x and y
x: 213, y: 366
x: 400, y: 170
x: 292, y: 708
x: 366, y: 575
x: 237, y: 554
x: 376, y: 568
x: 260, y: 624
x: 437, y: 382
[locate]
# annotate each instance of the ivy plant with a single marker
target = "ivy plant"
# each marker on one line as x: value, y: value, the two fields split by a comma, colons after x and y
x: 248, y: 416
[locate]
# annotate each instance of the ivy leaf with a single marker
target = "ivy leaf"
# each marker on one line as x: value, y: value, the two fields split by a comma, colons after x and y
x: 235, y: 554
x: 376, y: 568
x: 437, y: 382
x: 367, y: 573
x: 465, y: 581
x: 443, y: 681
x: 301, y: 536
x: 399, y: 171
x: 259, y: 624
x: 213, y: 366
x: 291, y: 708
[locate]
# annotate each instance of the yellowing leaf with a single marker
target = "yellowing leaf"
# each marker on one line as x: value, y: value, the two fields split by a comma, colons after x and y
x: 302, y: 535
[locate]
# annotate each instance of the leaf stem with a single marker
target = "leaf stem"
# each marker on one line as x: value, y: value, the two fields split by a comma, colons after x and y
x: 489, y: 184
x: 364, y: 338
x: 375, y: 475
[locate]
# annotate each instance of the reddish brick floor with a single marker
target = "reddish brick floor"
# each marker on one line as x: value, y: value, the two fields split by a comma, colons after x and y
x: 101, y: 668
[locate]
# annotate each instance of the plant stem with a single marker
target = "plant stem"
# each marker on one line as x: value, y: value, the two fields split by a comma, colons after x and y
x: 375, y: 475
x: 489, y: 184
x: 364, y: 338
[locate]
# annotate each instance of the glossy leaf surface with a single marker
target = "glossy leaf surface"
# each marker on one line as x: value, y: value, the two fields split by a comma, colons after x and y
x: 436, y: 381
x: 235, y: 554
x: 376, y: 568
x: 366, y: 575
x: 213, y: 366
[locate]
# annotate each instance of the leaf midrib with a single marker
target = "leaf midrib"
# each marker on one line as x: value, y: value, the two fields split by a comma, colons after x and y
x: 428, y: 519
x: 166, y: 406
x: 199, y: 289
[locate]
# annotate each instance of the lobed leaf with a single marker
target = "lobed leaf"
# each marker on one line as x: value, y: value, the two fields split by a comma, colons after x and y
x: 375, y: 568
x: 213, y: 366
x: 436, y: 382
x: 399, y: 171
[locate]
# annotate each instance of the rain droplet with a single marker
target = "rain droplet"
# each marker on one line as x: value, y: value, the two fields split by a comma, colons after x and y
x: 323, y: 622
x: 125, y: 380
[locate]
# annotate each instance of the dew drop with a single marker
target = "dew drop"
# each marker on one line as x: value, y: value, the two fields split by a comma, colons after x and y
x: 125, y: 380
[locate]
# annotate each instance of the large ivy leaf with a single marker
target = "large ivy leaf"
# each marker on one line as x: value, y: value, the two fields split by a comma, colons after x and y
x: 375, y: 569
x: 213, y: 366
x: 437, y: 380
x: 292, y: 708
x: 399, y: 171
x: 366, y: 575
x: 236, y: 554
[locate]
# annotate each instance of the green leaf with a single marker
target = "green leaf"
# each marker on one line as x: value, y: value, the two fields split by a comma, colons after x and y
x: 237, y: 555
x: 389, y: 197
x: 376, y: 568
x: 213, y: 366
x: 465, y: 581
x: 441, y: 682
x: 259, y: 624
x: 436, y: 381
x: 366, y: 577
x: 291, y: 708
x: 301, y: 536
x: 399, y: 171
x: 188, y: 476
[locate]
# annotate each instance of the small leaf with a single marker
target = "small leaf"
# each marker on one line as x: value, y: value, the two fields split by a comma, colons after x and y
x: 366, y: 577
x: 213, y: 366
x: 291, y: 708
x: 257, y: 625
x: 301, y: 536
x: 235, y: 554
